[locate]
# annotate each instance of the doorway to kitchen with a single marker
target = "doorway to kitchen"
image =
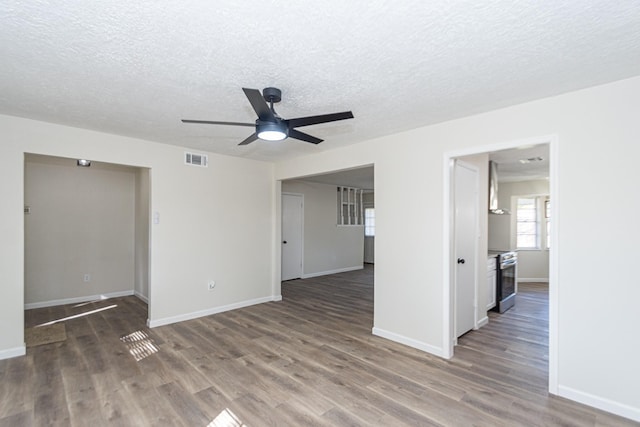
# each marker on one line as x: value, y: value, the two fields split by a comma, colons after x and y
x: 537, y: 171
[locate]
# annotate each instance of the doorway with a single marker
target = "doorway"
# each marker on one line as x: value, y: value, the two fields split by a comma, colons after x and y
x: 86, y: 231
x: 551, y: 145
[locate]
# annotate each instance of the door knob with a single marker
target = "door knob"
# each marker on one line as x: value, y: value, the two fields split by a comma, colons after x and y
x: 284, y: 241
x: 460, y: 260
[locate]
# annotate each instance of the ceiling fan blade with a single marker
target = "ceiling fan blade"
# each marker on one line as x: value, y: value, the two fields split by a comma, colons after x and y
x: 259, y: 104
x: 294, y: 133
x: 208, y: 122
x: 249, y: 139
x: 312, y: 120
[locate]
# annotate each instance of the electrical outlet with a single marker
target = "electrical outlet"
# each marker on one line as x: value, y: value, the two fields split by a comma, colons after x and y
x: 211, y: 284
x: 87, y: 277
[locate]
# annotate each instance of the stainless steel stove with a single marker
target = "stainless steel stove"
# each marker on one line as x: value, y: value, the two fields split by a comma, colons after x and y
x: 506, y: 269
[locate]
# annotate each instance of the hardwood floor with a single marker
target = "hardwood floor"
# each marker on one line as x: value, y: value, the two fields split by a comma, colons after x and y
x: 307, y: 360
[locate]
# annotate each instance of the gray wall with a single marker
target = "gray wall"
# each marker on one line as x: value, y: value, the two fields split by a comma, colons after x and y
x: 81, y: 222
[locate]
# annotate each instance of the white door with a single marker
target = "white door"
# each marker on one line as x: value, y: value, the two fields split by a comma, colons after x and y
x: 291, y: 236
x: 466, y: 183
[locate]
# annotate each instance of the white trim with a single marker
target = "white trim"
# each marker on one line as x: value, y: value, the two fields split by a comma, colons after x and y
x: 554, y: 294
x: 534, y: 279
x: 141, y: 297
x: 408, y: 341
x: 482, y: 322
x: 276, y: 257
x: 338, y: 270
x: 13, y: 352
x: 210, y: 311
x: 448, y: 334
x: 76, y: 300
x: 448, y: 339
x: 611, y: 406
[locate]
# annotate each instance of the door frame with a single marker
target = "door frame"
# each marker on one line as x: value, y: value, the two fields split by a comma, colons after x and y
x: 447, y: 315
x: 476, y: 228
x: 287, y: 193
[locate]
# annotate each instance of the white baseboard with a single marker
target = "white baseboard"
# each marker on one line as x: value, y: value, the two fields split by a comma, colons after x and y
x: 76, y: 300
x: 534, y: 279
x: 482, y: 322
x: 339, y: 270
x: 631, y: 412
x: 13, y: 352
x: 408, y: 341
x: 210, y: 311
x: 142, y: 297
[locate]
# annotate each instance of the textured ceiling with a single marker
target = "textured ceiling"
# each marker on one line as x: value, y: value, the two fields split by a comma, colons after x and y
x: 358, y: 178
x: 137, y: 68
x: 511, y: 167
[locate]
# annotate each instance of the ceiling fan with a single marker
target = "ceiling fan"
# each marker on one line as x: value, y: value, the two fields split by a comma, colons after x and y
x: 270, y: 126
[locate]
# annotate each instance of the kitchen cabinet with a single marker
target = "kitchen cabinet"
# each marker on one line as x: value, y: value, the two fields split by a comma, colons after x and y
x: 491, y: 282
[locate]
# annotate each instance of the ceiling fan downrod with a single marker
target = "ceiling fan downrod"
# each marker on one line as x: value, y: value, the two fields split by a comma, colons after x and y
x: 272, y: 95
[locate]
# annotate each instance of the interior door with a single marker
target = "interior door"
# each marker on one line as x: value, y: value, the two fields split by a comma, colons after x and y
x: 292, y: 211
x: 466, y: 182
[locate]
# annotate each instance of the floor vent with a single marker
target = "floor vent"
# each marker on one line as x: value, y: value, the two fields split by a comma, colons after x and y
x: 195, y: 159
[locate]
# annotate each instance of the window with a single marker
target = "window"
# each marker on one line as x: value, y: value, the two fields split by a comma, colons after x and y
x: 350, y: 206
x: 533, y: 222
x: 527, y: 223
x: 369, y: 222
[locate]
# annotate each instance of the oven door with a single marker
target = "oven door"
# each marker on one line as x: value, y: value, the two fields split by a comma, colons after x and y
x: 508, y: 279
x: 506, y: 287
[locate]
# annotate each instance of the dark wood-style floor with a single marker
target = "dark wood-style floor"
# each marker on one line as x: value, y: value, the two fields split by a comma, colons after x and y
x: 308, y: 360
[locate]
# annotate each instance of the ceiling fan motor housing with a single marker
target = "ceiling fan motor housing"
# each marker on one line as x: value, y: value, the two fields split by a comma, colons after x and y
x: 272, y: 94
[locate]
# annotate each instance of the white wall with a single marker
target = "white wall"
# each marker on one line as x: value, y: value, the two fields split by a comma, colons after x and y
x: 597, y: 152
x: 215, y: 223
x: 81, y: 222
x: 327, y: 247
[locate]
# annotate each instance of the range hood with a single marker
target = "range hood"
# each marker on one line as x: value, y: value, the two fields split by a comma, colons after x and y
x: 493, y: 190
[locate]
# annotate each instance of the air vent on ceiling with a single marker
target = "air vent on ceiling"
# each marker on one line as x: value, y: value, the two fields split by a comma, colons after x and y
x: 195, y: 159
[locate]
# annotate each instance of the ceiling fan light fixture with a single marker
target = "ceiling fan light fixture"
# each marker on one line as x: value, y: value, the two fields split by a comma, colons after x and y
x: 270, y: 126
x: 271, y: 131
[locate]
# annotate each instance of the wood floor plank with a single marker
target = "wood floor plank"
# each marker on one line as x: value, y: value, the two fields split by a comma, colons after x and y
x: 309, y: 359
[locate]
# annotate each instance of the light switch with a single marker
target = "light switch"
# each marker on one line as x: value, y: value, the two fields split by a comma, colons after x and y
x: 156, y: 217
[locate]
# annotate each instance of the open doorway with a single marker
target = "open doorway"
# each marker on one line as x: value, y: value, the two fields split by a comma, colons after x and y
x: 86, y: 233
x: 527, y: 183
x: 333, y: 221
x: 335, y: 282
